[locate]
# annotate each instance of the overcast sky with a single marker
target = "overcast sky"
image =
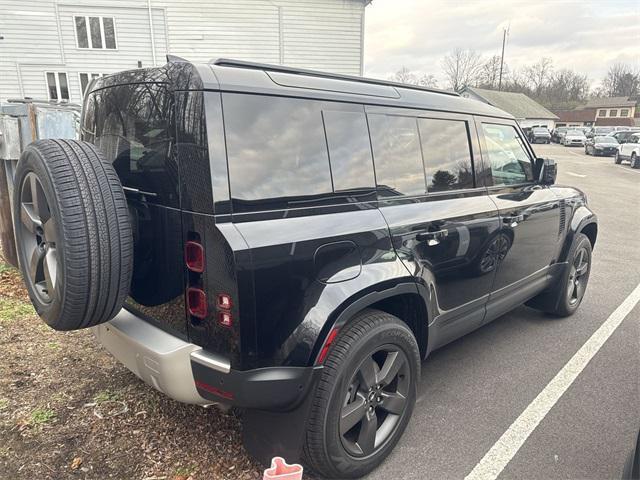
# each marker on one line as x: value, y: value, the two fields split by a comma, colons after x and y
x: 586, y: 35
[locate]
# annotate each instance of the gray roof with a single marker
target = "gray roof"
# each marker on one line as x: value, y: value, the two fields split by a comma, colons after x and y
x: 609, y: 102
x: 517, y: 104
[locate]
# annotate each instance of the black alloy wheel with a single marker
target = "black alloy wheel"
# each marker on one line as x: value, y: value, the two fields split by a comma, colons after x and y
x: 39, y: 238
x: 578, y: 276
x: 375, y: 400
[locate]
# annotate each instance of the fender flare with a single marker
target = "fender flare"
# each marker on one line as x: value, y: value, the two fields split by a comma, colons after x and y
x: 342, y: 315
x: 582, y: 217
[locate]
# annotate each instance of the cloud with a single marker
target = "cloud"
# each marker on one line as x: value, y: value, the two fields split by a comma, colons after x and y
x: 587, y: 35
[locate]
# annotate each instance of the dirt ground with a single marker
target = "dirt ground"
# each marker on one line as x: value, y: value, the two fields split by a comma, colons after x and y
x: 69, y: 410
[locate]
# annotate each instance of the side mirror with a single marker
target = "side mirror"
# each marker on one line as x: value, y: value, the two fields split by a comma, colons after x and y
x: 547, y: 171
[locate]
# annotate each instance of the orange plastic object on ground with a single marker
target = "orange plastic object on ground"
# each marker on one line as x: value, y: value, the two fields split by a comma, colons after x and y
x: 281, y: 470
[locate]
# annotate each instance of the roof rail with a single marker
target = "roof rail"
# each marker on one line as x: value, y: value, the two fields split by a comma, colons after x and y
x: 227, y: 62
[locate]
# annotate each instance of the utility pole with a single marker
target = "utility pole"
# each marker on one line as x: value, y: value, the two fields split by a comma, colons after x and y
x: 505, y: 32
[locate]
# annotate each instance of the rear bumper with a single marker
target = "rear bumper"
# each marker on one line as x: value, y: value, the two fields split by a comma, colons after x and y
x: 189, y: 374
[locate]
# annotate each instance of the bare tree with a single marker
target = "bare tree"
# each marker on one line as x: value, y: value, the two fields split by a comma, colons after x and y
x: 404, y: 75
x: 565, y: 89
x: 621, y: 81
x: 490, y: 73
x: 462, y: 67
x: 538, y: 75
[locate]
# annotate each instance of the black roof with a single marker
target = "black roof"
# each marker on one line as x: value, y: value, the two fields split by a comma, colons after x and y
x: 240, y: 76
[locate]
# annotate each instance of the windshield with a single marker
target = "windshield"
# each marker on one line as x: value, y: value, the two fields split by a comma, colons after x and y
x: 604, y: 129
x: 540, y: 130
x: 574, y: 132
x: 606, y: 140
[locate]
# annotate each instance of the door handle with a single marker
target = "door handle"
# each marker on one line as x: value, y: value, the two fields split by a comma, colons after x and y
x: 513, y: 220
x: 432, y: 238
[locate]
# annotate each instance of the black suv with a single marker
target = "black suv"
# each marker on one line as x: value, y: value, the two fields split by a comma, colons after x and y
x: 293, y: 243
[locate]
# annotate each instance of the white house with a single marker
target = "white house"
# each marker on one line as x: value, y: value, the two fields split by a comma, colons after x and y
x: 50, y: 49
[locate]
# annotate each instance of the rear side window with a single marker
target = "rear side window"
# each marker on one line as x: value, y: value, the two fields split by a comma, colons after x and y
x: 447, y: 154
x: 510, y: 164
x: 276, y: 150
x: 397, y: 157
x: 349, y: 150
x: 132, y: 128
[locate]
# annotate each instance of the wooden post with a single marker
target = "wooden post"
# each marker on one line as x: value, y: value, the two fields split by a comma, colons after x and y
x: 7, y: 239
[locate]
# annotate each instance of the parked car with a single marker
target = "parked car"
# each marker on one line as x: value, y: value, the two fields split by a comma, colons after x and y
x: 573, y: 138
x: 558, y: 133
x: 539, y: 135
x: 261, y: 259
x: 598, y: 146
x: 630, y: 150
x: 623, y: 136
x: 599, y: 131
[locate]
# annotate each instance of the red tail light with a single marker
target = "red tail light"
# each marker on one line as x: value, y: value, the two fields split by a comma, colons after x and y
x: 194, y: 256
x: 197, y: 302
x: 224, y: 302
x: 225, y: 319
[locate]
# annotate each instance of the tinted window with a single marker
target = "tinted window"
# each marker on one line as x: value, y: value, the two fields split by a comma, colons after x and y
x: 276, y: 149
x: 132, y: 130
x: 446, y: 153
x: 349, y: 150
x: 507, y: 157
x: 396, y: 154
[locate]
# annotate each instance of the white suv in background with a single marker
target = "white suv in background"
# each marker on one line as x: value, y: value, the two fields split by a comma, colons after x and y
x: 630, y: 150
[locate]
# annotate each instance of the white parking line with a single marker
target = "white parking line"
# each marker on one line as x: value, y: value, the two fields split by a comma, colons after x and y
x: 575, y: 174
x: 497, y: 458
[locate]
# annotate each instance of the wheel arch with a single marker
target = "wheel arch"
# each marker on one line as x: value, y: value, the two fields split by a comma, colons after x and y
x: 402, y: 301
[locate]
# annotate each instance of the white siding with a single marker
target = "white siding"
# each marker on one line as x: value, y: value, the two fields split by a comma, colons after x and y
x: 39, y: 36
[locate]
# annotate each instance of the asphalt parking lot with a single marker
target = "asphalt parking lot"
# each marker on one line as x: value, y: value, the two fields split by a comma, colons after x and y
x: 474, y: 389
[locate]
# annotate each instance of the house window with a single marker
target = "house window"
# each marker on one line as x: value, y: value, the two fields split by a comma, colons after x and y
x: 624, y: 112
x: 96, y: 32
x: 613, y: 113
x: 57, y: 86
x: 602, y: 113
x: 85, y: 78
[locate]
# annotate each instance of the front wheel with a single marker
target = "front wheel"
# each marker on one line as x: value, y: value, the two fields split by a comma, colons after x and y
x: 617, y: 159
x: 574, y: 281
x: 635, y: 162
x: 365, y: 396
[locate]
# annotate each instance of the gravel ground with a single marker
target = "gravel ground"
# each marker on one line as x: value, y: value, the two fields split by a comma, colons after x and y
x: 69, y: 410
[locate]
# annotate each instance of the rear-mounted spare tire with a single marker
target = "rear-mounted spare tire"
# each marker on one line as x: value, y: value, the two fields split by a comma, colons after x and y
x: 73, y: 233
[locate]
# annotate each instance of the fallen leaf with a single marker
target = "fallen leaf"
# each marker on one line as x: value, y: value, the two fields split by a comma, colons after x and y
x: 75, y: 464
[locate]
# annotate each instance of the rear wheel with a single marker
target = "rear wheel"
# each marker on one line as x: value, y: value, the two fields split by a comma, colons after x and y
x: 365, y: 396
x: 73, y: 234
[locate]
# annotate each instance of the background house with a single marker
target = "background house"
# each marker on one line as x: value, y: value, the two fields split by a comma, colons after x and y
x: 613, y: 110
x: 527, y: 111
x: 51, y: 48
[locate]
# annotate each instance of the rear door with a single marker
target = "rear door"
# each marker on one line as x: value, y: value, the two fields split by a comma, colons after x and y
x: 130, y: 123
x: 442, y: 222
x: 529, y: 214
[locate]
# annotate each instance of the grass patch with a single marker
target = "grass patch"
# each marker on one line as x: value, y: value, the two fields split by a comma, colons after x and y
x: 4, y: 403
x: 107, y: 396
x: 11, y: 309
x: 4, y: 267
x: 40, y: 416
